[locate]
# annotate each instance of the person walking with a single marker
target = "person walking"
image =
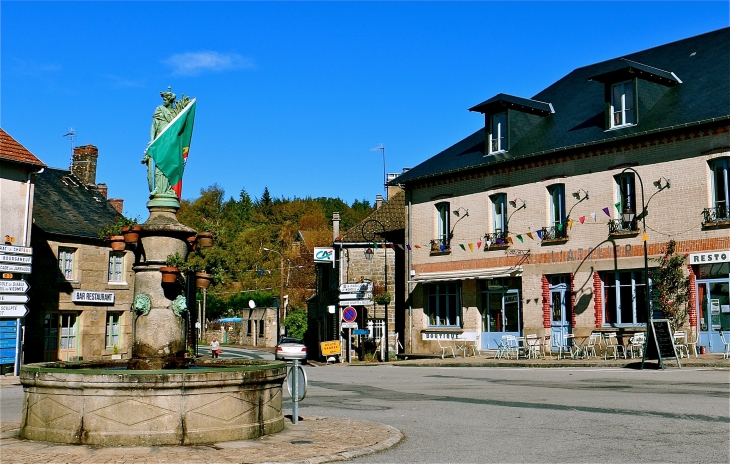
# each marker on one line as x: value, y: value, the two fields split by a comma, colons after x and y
x: 215, y: 347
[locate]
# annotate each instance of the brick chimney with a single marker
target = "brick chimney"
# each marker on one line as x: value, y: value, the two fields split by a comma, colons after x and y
x: 117, y: 204
x: 378, y: 201
x: 84, y: 164
x: 335, y: 225
x: 102, y: 189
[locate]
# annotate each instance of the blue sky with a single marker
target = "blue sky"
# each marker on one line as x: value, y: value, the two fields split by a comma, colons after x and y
x: 293, y: 96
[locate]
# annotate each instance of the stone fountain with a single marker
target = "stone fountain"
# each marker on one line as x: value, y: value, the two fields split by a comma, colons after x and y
x: 158, y: 397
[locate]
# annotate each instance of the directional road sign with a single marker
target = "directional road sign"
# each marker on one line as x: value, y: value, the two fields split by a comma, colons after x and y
x: 16, y: 250
x: 14, y: 268
x: 14, y: 286
x: 15, y: 259
x: 357, y: 288
x: 355, y: 296
x: 13, y: 310
x: 349, y: 325
x: 355, y: 302
x: 14, y: 298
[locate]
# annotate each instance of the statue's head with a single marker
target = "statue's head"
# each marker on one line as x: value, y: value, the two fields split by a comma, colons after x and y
x: 168, y: 97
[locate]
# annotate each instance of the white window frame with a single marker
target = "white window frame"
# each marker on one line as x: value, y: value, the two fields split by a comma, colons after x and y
x: 556, y: 195
x: 499, y: 220
x: 498, y: 132
x: 636, y: 277
x: 623, y: 104
x: 66, y: 263
x: 115, y: 272
x: 444, y: 303
x: 112, y: 335
x: 443, y: 210
x: 720, y: 170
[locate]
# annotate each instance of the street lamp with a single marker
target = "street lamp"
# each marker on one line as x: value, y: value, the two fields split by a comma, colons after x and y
x: 370, y: 237
x: 281, y: 293
x: 628, y: 216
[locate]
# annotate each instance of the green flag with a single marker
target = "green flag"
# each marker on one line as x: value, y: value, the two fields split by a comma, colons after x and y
x: 170, y: 148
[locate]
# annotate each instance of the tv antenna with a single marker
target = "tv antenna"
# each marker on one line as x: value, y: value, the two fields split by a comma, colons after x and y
x: 385, y: 176
x: 71, y: 134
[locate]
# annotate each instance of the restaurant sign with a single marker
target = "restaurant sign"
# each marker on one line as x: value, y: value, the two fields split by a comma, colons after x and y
x: 80, y: 296
x: 710, y: 257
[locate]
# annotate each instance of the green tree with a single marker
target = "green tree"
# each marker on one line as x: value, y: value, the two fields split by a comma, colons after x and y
x: 296, y: 323
x: 671, y: 286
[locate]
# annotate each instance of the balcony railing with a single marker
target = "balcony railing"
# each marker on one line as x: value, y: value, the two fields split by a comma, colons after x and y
x: 619, y: 226
x: 440, y: 245
x: 497, y: 238
x: 720, y: 214
x: 555, y: 233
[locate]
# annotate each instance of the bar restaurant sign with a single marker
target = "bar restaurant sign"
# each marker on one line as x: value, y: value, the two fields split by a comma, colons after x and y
x: 81, y: 296
x: 710, y: 257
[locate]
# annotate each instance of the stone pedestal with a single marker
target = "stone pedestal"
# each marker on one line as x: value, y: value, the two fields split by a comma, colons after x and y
x: 159, y: 335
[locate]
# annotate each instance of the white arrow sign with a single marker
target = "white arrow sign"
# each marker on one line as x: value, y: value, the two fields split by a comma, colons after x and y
x: 355, y: 302
x: 16, y: 259
x: 357, y: 288
x: 13, y: 298
x: 16, y: 249
x: 13, y: 286
x: 13, y: 268
x: 350, y: 296
x: 13, y: 310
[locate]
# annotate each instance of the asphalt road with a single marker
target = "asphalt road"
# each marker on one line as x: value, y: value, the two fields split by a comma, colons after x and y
x: 533, y: 415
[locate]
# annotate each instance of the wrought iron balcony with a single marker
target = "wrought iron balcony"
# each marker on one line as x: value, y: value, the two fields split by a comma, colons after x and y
x: 497, y: 238
x: 621, y: 227
x: 440, y: 245
x: 555, y: 233
x: 719, y: 215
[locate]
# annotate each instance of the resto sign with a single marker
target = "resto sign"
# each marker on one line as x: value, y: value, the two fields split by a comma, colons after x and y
x: 710, y: 257
x: 80, y: 296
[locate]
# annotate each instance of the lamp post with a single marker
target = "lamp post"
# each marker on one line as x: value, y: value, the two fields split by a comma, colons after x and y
x: 629, y: 215
x: 371, y: 236
x: 281, y: 293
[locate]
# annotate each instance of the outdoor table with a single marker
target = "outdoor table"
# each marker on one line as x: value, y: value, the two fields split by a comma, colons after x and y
x: 579, y: 344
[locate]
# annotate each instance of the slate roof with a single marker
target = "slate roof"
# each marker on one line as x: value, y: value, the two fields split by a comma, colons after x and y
x: 701, y: 63
x: 11, y: 150
x: 62, y: 205
x: 391, y: 214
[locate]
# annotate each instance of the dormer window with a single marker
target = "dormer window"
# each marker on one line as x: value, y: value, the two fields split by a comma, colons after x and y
x: 498, y: 132
x: 622, y: 104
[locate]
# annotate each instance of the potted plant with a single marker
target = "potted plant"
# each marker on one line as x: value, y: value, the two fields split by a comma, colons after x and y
x: 380, y: 295
x: 171, y: 270
x: 203, y: 279
x: 113, y: 233
x: 130, y: 229
x: 210, y: 230
x: 115, y: 351
x: 192, y: 242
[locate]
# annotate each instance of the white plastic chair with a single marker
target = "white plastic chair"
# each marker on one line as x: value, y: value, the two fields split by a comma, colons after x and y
x: 680, y: 345
x: 612, y: 344
x: 590, y: 348
x: 726, y: 352
x: 691, y: 344
x: 533, y: 346
x: 512, y: 345
x: 445, y: 347
x: 566, y: 346
x: 637, y: 343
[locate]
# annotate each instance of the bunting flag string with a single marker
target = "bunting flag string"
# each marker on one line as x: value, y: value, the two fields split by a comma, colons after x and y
x: 582, y: 219
x: 618, y: 206
x: 607, y: 211
x: 462, y: 246
x: 593, y: 215
x: 471, y: 247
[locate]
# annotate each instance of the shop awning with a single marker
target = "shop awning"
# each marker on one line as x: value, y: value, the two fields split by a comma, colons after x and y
x: 491, y: 273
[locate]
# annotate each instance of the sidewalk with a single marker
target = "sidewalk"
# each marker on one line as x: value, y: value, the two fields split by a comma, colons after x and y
x: 313, y: 440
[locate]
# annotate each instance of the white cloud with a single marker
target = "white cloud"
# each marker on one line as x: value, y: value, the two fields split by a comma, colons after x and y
x: 193, y: 63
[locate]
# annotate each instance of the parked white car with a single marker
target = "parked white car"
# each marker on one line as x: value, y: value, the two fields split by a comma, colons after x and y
x: 290, y: 349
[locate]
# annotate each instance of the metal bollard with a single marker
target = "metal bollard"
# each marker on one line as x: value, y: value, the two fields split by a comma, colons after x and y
x: 295, y: 392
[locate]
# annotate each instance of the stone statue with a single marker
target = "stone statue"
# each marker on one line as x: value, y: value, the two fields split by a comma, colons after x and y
x: 157, y: 182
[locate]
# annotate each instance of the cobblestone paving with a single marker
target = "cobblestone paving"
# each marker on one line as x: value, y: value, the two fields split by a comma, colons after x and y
x: 313, y: 440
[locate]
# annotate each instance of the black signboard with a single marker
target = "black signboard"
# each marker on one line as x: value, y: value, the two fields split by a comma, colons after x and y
x: 660, y: 342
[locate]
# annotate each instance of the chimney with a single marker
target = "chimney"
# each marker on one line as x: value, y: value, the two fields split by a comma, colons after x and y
x: 378, y: 201
x: 117, y: 204
x: 84, y: 164
x: 335, y: 225
x: 103, y: 189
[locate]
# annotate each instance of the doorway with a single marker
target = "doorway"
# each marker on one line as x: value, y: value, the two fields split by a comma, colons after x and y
x: 60, y: 336
x: 713, y: 305
x: 500, y: 313
x: 561, y: 320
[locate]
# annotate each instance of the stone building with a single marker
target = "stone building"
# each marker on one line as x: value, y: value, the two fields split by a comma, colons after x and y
x: 81, y: 290
x: 535, y: 224
x: 18, y: 170
x: 362, y: 255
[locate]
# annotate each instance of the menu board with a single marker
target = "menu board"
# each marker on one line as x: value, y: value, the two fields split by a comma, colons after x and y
x: 661, y: 341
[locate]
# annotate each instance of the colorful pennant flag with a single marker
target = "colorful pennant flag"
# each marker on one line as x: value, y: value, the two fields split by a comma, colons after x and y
x: 500, y: 242
x: 607, y: 211
x: 417, y: 246
x: 392, y: 246
x: 529, y: 234
x: 570, y: 224
x: 462, y: 246
x: 479, y: 245
x: 539, y: 234
x: 471, y: 247
x: 509, y: 239
x: 488, y: 243
x: 560, y: 226
x: 409, y: 247
x: 593, y: 215
x: 519, y: 237
x: 618, y: 206
x: 645, y: 237
x: 375, y: 245
x: 442, y: 248
x: 582, y: 219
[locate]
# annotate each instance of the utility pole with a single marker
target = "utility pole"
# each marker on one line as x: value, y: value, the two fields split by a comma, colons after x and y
x: 385, y: 175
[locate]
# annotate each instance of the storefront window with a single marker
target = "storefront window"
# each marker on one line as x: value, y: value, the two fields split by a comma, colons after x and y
x: 501, y: 305
x: 113, y: 319
x: 624, y: 298
x: 444, y: 305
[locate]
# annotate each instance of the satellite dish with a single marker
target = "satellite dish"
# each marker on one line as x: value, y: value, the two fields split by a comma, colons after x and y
x: 251, y: 304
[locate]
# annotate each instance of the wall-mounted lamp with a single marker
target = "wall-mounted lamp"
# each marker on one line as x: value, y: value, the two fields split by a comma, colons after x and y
x: 576, y: 195
x: 658, y: 183
x: 457, y: 213
x: 369, y: 254
x: 460, y: 216
x: 513, y: 203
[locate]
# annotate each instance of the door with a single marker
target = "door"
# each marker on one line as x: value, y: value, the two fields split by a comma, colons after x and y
x: 560, y: 317
x: 50, y: 337
x: 500, y: 316
x: 67, y: 343
x: 713, y: 307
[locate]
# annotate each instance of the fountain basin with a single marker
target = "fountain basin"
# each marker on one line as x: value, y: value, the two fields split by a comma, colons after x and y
x: 102, y: 403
